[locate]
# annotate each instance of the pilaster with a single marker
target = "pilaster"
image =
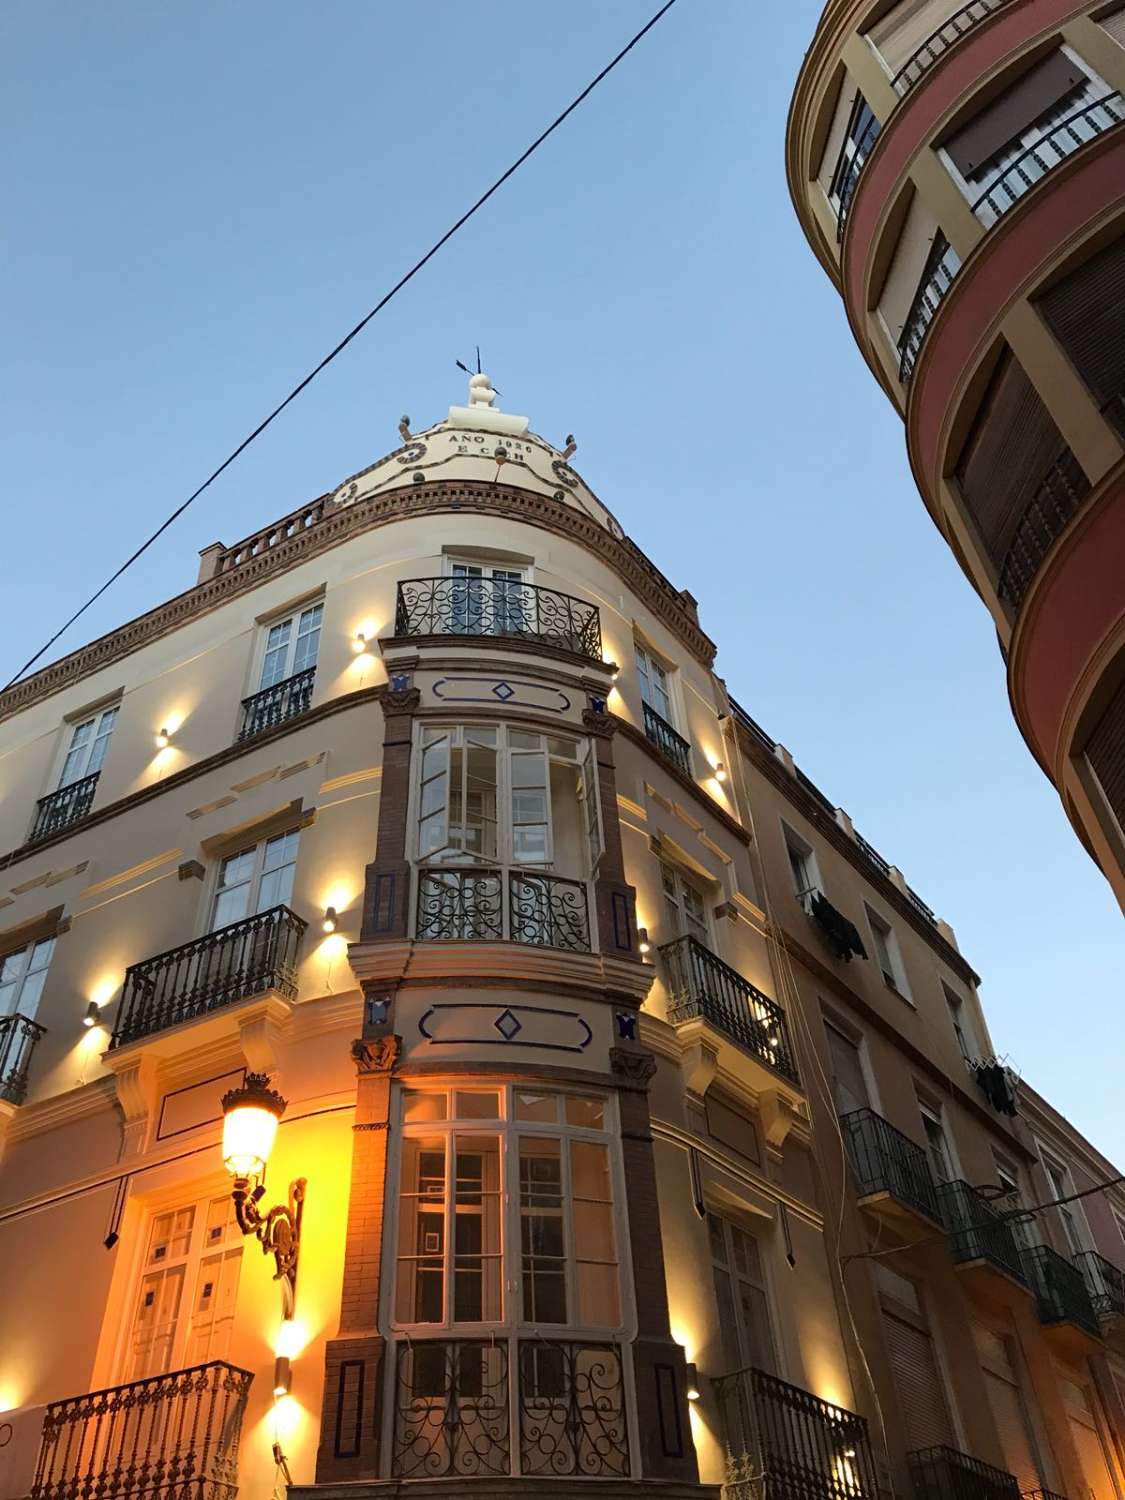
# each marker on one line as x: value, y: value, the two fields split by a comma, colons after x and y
x: 386, y: 899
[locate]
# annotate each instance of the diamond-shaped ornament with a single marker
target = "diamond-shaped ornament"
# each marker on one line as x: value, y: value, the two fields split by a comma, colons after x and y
x: 507, y: 1025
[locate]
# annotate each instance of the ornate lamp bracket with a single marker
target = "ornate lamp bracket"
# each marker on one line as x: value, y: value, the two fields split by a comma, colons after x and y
x: 278, y: 1230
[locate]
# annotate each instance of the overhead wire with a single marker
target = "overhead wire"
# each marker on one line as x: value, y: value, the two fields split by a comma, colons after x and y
x: 348, y: 337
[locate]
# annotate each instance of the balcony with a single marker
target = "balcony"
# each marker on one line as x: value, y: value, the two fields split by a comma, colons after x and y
x: 702, y: 987
x: 942, y: 265
x: 1063, y: 490
x: 18, y: 1037
x: 982, y: 1244
x: 945, y: 1474
x: 498, y: 607
x: 783, y: 1443
x: 453, y: 1416
x: 1105, y: 1284
x: 1037, y: 161
x: 547, y: 911
x: 60, y: 809
x: 1061, y: 1298
x: 247, y: 958
x: 938, y: 43
x: 849, y: 170
x: 170, y: 1435
x: 673, y: 747
x: 275, y: 705
x: 893, y: 1179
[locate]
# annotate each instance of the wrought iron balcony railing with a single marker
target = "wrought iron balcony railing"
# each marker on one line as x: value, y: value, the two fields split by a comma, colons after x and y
x: 671, y: 745
x: 886, y: 1161
x: 938, y: 43
x: 247, y: 958
x: 466, y: 905
x: 942, y: 265
x: 498, y: 606
x: 1105, y: 1284
x: 1063, y: 490
x: 62, y: 808
x: 849, y: 171
x: 274, y: 705
x: 702, y: 986
x: 1059, y: 1287
x: 945, y: 1474
x: 18, y: 1037
x: 783, y: 1443
x: 453, y: 1412
x: 1052, y: 148
x: 171, y: 1435
x: 976, y: 1231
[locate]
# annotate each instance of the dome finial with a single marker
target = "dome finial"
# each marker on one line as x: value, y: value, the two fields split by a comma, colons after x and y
x: 481, y: 392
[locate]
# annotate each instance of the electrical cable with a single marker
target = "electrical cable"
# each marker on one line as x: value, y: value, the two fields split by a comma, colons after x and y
x: 347, y: 339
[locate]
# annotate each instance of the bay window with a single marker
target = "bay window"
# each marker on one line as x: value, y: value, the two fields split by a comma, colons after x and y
x: 506, y: 1293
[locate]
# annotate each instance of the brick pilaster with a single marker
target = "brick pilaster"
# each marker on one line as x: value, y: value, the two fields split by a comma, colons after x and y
x: 386, y: 898
x: 615, y: 900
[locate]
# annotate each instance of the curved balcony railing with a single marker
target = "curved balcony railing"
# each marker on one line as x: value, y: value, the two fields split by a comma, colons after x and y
x: 246, y: 958
x: 672, y: 746
x: 945, y: 1474
x: 169, y: 1435
x: 850, y: 171
x: 18, y: 1037
x: 801, y: 1446
x: 1052, y: 148
x: 1059, y: 1287
x: 1105, y: 1283
x: 1063, y: 490
x: 702, y: 986
x: 499, y: 607
x: 273, y: 705
x: 886, y: 1161
x: 62, y: 808
x: 938, y: 43
x: 942, y: 265
x: 463, y: 905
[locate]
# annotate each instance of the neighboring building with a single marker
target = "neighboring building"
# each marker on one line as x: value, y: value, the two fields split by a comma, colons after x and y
x: 638, y: 1097
x: 959, y: 170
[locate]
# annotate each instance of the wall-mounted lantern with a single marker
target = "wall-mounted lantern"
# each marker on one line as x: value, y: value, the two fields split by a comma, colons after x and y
x: 251, y: 1114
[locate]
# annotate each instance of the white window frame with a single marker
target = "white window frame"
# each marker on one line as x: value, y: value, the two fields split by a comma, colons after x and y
x: 773, y: 1329
x: 797, y: 844
x: 37, y: 954
x: 896, y: 980
x: 936, y: 1115
x: 964, y: 1031
x: 98, y: 741
x: 254, y: 884
x: 646, y: 675
x: 685, y: 879
x: 293, y: 615
x: 1070, y: 1213
x: 858, y: 1039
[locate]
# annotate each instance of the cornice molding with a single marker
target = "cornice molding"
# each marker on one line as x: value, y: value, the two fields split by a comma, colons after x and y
x: 341, y: 523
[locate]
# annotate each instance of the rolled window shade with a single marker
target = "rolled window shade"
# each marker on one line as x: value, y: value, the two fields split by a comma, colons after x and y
x: 1105, y: 752
x: 1013, y: 112
x: 1086, y: 313
x: 902, y: 31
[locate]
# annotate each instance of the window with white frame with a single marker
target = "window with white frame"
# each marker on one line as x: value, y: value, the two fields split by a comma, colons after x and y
x: 802, y: 866
x: 255, y: 879
x: 88, y: 743
x: 962, y: 1026
x: 183, y: 1311
x: 941, y: 1157
x: 291, y: 646
x: 1058, y: 1176
x: 742, y: 1297
x: 887, y: 953
x: 507, y: 1211
x: 23, y: 972
x: 685, y: 906
x: 489, y: 598
x: 655, y: 681
x: 1011, y: 1194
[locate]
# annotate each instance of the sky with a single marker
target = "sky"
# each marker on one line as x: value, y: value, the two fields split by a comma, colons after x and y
x: 202, y: 199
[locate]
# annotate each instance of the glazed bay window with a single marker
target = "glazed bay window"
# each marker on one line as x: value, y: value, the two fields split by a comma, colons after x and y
x: 507, y: 1300
x: 509, y: 833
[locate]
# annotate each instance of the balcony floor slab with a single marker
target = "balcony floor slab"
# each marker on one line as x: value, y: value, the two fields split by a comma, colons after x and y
x: 542, y: 1488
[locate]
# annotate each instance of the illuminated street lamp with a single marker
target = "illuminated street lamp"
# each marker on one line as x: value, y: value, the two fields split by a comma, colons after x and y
x: 251, y: 1114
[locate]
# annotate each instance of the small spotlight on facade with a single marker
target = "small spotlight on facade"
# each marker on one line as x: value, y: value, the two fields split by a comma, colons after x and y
x: 93, y: 1014
x: 643, y: 944
x: 329, y: 923
x: 720, y: 771
x: 282, y: 1376
x: 163, y: 740
x: 692, y: 1383
x: 359, y: 643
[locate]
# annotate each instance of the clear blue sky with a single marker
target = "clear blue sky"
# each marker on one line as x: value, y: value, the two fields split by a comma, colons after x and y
x: 199, y: 200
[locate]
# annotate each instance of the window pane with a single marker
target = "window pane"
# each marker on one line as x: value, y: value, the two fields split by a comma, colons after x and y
x: 589, y: 1112
x: 728, y: 1322
x: 542, y: 1235
x: 308, y: 638
x: 593, y: 1232
x: 544, y: 1107
x: 589, y: 1171
x: 477, y: 1106
x: 476, y: 1290
x: 230, y: 906
x: 277, y: 653
x: 420, y: 1285
x: 563, y: 749
x: 599, y: 1303
x: 423, y: 1106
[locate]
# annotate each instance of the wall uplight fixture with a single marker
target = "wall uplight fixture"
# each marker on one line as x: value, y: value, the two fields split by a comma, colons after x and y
x: 359, y: 643
x: 251, y: 1114
x: 643, y: 944
x: 692, y: 1391
x: 329, y: 922
x: 93, y: 1015
x: 720, y: 772
x: 163, y: 739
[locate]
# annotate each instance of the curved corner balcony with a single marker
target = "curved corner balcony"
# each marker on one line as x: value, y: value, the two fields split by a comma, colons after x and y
x: 939, y: 42
x: 498, y: 607
x: 1048, y: 513
x: 942, y: 265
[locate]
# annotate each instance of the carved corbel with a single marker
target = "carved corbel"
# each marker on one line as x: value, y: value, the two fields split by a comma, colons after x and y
x: 136, y: 1083
x: 599, y: 722
x: 377, y: 1054
x: 7, y: 1115
x: 699, y: 1064
x: 397, y: 701
x: 778, y: 1115
x: 633, y: 1070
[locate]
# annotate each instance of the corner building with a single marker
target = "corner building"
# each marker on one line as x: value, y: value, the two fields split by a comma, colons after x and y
x: 642, y: 1132
x: 959, y: 170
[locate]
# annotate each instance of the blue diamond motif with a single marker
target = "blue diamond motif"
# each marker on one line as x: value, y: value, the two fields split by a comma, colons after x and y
x: 503, y: 692
x: 507, y: 1025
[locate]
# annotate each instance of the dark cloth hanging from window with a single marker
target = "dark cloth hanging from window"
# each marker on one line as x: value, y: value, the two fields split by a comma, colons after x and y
x: 843, y: 936
x: 998, y: 1087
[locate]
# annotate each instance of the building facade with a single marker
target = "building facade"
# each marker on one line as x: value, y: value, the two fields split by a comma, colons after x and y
x: 959, y: 170
x: 640, y: 1128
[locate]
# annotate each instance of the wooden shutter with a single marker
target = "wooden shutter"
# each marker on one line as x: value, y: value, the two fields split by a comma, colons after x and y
x: 1016, y: 110
x: 903, y: 30
x: 1009, y: 1410
x: 1115, y: 25
x: 1011, y: 448
x: 1086, y: 313
x: 848, y: 1084
x: 1105, y: 752
x: 918, y: 1384
x: 1092, y: 1456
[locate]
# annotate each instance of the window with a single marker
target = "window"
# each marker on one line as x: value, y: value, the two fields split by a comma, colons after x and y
x: 1008, y: 1180
x: 184, y: 1309
x: 507, y: 1210
x: 490, y: 600
x: 1061, y: 1187
x: 802, y: 866
x: 849, y: 1085
x: 494, y: 794
x: 742, y: 1298
x: 291, y: 646
x: 859, y: 137
x: 255, y: 879
x: 89, y: 741
x: 22, y: 976
x: 655, y: 684
x: 960, y: 1020
x: 684, y: 905
x: 941, y: 1159
x: 887, y: 953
